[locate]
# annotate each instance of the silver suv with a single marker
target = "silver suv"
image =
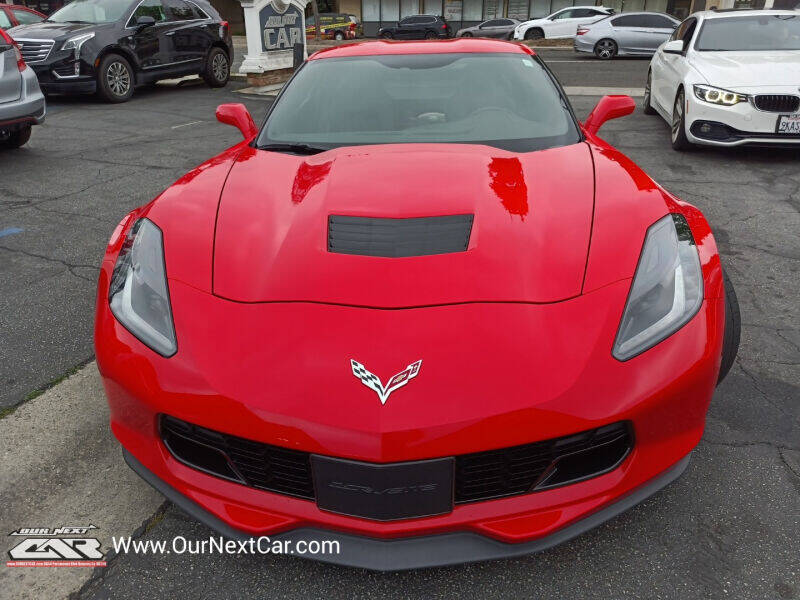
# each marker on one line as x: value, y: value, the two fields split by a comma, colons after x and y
x: 22, y: 104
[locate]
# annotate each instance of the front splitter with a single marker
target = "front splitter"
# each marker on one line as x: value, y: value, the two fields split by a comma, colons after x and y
x: 416, y: 552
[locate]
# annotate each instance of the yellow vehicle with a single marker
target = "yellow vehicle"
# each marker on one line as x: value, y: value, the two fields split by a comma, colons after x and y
x: 335, y: 26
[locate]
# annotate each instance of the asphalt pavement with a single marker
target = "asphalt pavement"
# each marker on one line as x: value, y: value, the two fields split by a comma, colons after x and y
x: 728, y: 528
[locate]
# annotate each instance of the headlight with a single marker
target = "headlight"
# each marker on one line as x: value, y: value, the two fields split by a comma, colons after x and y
x: 714, y: 95
x: 75, y: 43
x: 667, y: 289
x: 138, y: 294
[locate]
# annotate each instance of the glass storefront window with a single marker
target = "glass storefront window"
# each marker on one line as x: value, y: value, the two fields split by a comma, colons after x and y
x: 390, y: 10
x: 433, y: 7
x: 452, y: 10
x: 409, y: 7
x: 472, y: 10
x: 370, y: 10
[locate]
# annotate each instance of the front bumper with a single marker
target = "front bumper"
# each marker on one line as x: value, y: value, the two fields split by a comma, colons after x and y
x: 57, y: 76
x: 494, y: 376
x: 29, y: 109
x: 412, y: 552
x: 734, y: 125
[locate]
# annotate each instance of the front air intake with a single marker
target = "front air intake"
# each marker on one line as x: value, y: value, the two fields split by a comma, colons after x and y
x: 397, y: 238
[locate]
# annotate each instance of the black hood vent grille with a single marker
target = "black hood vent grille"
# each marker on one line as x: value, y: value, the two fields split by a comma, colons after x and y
x: 396, y: 238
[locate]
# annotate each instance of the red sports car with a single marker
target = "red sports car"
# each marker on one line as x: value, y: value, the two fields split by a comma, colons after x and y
x: 423, y: 312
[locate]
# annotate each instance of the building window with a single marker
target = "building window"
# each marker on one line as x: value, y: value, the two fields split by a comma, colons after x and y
x: 390, y: 10
x: 370, y: 11
x: 472, y: 10
x: 433, y: 7
x: 409, y: 7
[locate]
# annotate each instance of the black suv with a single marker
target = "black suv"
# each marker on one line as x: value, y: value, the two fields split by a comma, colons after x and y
x: 111, y: 46
x: 417, y: 27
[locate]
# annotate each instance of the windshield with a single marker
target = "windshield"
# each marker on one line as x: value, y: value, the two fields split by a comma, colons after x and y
x: 504, y: 100
x: 758, y: 32
x: 91, y: 11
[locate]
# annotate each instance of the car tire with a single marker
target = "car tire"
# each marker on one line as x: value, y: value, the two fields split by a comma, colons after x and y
x: 534, y: 34
x: 387, y: 35
x: 218, y: 68
x: 647, y: 107
x: 18, y: 138
x: 467, y: 34
x: 733, y: 329
x: 678, y: 124
x: 338, y: 36
x: 606, y: 49
x: 431, y: 35
x: 115, y: 79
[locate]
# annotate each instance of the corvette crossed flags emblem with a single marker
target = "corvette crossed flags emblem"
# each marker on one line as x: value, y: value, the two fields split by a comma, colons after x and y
x: 374, y: 383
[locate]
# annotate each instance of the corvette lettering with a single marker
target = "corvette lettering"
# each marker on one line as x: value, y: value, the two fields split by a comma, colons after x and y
x: 403, y: 489
x: 374, y: 383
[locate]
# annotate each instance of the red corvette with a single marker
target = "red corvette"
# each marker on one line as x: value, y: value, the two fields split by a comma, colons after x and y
x: 423, y: 312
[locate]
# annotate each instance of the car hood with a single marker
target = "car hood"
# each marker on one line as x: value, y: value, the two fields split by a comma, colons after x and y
x: 53, y: 31
x: 528, y: 243
x: 739, y: 70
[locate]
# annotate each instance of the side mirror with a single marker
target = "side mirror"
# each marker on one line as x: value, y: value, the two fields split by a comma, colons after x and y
x: 236, y: 114
x: 609, y: 107
x: 145, y: 21
x: 673, y: 47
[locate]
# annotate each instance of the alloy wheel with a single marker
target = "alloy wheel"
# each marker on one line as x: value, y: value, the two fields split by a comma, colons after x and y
x: 677, y: 117
x: 605, y: 49
x: 219, y: 67
x: 118, y: 78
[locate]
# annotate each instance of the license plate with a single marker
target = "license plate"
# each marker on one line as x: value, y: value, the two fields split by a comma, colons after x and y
x: 383, y: 492
x: 789, y: 124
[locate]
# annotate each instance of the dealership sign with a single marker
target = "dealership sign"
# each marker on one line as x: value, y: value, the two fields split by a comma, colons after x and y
x: 281, y: 26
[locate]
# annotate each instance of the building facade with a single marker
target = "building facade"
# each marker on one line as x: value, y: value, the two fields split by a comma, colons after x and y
x: 375, y: 14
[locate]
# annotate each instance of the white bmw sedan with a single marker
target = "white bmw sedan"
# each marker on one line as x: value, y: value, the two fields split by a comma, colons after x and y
x: 727, y: 78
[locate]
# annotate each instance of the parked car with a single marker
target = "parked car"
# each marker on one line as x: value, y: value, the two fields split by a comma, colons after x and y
x: 458, y: 364
x: 109, y: 47
x: 629, y: 34
x: 494, y: 28
x: 12, y: 15
x: 333, y: 26
x: 22, y: 103
x: 729, y: 78
x: 417, y: 27
x: 561, y: 24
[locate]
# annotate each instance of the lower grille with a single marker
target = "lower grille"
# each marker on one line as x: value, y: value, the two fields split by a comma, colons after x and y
x: 252, y: 463
x: 777, y: 102
x: 34, y: 51
x: 541, y: 465
x: 479, y: 476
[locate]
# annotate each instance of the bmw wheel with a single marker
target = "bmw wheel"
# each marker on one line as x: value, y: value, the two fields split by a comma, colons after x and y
x: 646, y: 103
x: 605, y: 49
x: 678, y: 126
x: 115, y: 79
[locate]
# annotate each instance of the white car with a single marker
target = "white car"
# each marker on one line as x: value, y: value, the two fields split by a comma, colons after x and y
x: 729, y: 78
x: 561, y: 24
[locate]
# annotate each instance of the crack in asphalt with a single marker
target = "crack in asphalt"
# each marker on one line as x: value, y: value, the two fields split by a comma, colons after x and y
x: 70, y: 266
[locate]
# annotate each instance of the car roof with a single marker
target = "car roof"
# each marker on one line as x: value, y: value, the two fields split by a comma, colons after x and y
x: 451, y: 46
x: 743, y: 12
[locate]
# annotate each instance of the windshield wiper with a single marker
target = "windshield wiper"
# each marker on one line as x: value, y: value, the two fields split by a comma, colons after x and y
x: 294, y: 148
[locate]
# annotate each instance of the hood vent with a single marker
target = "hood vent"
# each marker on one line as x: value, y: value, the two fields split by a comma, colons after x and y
x: 396, y: 238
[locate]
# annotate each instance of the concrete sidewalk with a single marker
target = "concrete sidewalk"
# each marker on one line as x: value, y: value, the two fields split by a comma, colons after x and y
x: 61, y: 466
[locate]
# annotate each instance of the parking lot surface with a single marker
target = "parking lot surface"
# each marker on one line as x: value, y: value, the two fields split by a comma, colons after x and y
x: 728, y: 528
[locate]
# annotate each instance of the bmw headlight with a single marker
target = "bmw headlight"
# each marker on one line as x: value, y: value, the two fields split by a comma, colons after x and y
x: 75, y: 43
x: 138, y: 294
x: 714, y: 95
x: 667, y: 289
